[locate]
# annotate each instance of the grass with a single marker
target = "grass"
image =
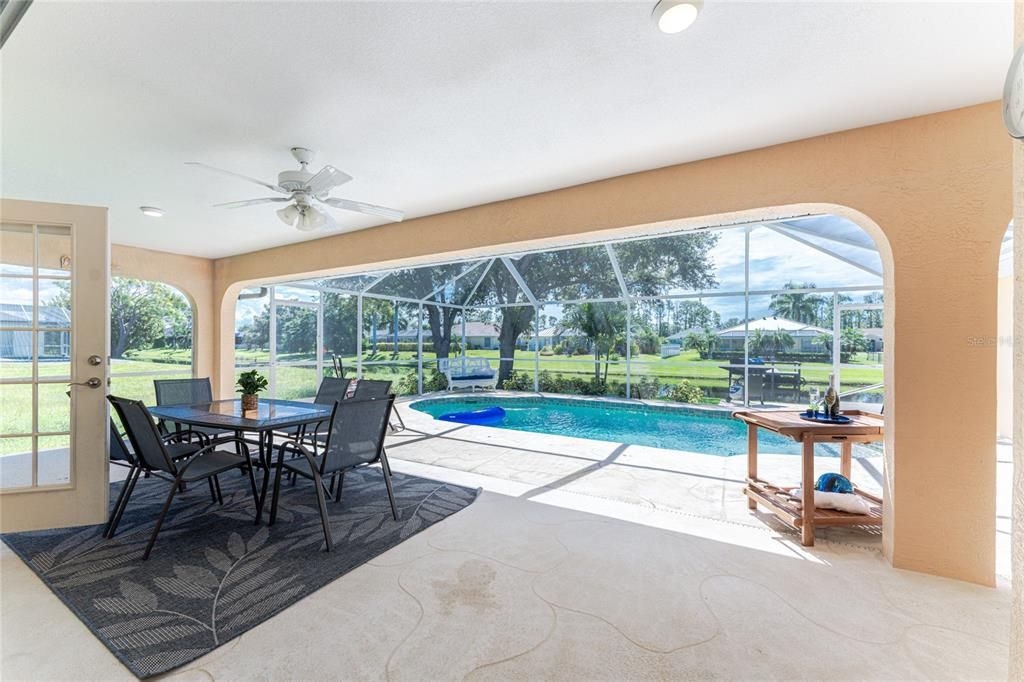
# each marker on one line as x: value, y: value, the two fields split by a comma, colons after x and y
x: 293, y: 382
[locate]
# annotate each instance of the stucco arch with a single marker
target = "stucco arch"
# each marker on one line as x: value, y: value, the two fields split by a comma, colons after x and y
x: 931, y: 191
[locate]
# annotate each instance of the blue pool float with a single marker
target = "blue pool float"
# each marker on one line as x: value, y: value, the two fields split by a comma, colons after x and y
x: 482, y: 417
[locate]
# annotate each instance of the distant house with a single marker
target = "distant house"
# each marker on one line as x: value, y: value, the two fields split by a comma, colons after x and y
x: 680, y: 336
x: 552, y: 336
x: 479, y: 335
x: 16, y: 344
x: 875, y: 338
x: 803, y: 335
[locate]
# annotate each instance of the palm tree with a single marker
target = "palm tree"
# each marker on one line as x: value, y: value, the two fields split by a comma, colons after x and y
x: 801, y: 307
x: 602, y: 323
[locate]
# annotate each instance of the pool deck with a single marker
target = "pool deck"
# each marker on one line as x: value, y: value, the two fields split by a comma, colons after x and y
x: 581, y: 560
x: 651, y: 479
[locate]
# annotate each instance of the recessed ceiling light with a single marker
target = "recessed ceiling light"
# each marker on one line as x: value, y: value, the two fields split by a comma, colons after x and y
x: 673, y: 16
x: 152, y: 211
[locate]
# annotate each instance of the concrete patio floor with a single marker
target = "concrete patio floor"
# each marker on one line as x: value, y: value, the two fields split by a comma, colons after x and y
x: 580, y: 560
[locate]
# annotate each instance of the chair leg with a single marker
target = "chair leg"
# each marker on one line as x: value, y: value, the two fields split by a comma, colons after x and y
x: 160, y: 520
x: 322, y: 503
x: 341, y: 482
x: 213, y: 491
x: 277, y: 486
x: 122, y: 502
x: 216, y: 486
x: 385, y: 469
x: 252, y: 484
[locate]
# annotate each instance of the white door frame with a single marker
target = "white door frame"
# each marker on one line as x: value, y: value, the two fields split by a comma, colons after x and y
x: 84, y: 499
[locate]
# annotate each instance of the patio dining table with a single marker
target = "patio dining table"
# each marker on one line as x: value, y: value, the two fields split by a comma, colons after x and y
x: 269, y: 416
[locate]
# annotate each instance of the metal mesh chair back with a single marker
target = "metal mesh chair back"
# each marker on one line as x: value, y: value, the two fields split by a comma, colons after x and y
x: 371, y: 388
x: 118, y: 450
x: 183, y: 391
x: 142, y: 434
x: 356, y: 435
x: 331, y: 390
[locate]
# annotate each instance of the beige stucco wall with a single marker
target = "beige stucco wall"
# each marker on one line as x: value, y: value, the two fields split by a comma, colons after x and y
x: 933, y: 190
x: 1017, y: 537
x: 1004, y: 354
x: 192, y: 276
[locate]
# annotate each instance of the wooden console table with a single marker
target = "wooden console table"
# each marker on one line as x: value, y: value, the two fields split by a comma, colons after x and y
x: 865, y: 427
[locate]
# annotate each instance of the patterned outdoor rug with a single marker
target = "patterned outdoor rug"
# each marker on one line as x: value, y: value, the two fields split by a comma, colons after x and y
x: 213, y: 574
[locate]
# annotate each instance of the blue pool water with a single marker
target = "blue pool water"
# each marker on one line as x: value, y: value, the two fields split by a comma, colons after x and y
x: 631, y: 423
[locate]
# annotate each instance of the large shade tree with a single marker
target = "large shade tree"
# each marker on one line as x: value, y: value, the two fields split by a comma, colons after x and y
x: 649, y: 268
x: 143, y: 314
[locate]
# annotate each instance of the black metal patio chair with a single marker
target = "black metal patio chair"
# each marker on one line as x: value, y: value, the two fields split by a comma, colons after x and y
x: 186, y: 392
x: 375, y: 388
x: 355, y: 438
x: 180, y: 445
x: 152, y: 454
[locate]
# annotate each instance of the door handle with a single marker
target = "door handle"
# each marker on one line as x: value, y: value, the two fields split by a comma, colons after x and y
x: 91, y: 382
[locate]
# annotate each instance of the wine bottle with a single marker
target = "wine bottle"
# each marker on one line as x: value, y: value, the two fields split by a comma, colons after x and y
x: 831, y: 399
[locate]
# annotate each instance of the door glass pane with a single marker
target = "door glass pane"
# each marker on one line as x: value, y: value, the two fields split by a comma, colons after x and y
x: 55, y: 303
x: 54, y: 251
x: 16, y: 246
x: 54, y: 408
x: 15, y: 354
x: 16, y: 409
x: 15, y: 302
x: 54, y: 460
x: 15, y: 462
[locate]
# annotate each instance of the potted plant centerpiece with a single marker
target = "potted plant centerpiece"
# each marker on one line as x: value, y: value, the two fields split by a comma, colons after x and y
x: 249, y: 385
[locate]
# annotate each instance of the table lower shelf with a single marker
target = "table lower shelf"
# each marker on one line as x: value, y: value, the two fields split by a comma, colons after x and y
x: 780, y: 502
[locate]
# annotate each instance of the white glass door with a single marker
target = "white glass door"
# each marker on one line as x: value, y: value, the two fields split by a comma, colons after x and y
x: 54, y: 271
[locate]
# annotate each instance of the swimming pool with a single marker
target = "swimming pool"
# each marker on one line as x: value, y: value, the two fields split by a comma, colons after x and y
x: 712, y: 432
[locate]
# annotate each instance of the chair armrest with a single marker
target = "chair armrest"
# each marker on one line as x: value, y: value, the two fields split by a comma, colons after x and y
x: 184, y: 436
x: 210, y: 447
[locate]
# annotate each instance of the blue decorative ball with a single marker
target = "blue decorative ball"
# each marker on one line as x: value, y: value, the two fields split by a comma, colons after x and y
x: 833, y: 483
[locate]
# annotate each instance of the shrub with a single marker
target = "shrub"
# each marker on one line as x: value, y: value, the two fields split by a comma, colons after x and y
x: 648, y: 388
x: 432, y: 381
x: 686, y: 392
x: 517, y: 381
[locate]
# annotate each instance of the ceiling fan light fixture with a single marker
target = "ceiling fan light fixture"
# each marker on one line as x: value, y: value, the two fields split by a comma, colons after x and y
x: 675, y: 16
x: 311, y: 219
x: 288, y: 215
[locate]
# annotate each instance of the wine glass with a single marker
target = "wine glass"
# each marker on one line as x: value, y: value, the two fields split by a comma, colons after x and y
x: 815, y: 396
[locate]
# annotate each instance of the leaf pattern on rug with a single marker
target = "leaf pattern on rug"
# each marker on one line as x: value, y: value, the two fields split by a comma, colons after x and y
x: 213, y: 574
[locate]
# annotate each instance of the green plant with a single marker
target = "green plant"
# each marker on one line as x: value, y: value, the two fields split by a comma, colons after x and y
x: 648, y: 388
x: 686, y: 392
x: 518, y: 381
x: 251, y: 382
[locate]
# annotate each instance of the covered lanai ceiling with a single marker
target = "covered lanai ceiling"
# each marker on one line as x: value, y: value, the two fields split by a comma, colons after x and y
x: 437, y: 106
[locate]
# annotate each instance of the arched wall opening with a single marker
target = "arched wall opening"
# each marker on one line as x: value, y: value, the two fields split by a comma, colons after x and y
x: 936, y: 184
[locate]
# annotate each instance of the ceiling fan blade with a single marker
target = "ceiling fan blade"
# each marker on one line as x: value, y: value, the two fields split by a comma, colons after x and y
x: 329, y: 223
x: 327, y: 179
x: 365, y: 208
x: 251, y: 202
x: 237, y: 175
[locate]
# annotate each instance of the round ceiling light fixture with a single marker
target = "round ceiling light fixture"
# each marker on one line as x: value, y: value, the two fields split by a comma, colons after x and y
x: 675, y: 16
x: 152, y: 211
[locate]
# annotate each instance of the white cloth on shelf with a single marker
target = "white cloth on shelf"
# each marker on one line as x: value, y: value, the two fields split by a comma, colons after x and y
x: 847, y: 502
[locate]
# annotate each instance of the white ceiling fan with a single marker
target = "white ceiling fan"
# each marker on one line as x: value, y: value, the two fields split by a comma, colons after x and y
x: 302, y: 188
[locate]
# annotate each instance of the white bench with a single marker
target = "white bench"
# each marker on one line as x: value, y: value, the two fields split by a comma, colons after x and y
x: 468, y: 373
